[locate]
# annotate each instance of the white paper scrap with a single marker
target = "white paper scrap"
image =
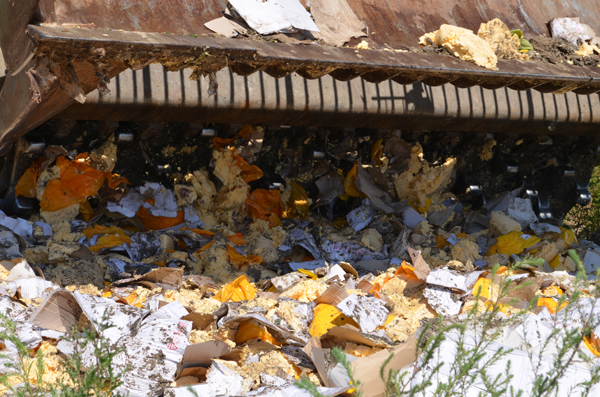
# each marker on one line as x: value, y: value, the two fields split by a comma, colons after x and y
x: 360, y: 217
x: 128, y: 205
x: 32, y: 288
x: 521, y: 211
x: 121, y: 316
x: 21, y: 270
x: 148, y: 373
x: 369, y: 312
x: 224, y: 381
x: 445, y: 278
x: 591, y: 261
x: 540, y: 228
x: 171, y: 310
x: 169, y: 335
x: 270, y: 16
x: 335, y: 270
x: 440, y: 299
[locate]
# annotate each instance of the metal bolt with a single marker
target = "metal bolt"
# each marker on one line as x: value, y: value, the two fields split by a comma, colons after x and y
x: 163, y: 168
x: 531, y: 193
x: 34, y: 147
x: 318, y: 155
x: 474, y: 190
x: 124, y: 137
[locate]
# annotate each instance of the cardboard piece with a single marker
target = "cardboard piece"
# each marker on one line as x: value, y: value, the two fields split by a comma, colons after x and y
x: 525, y: 292
x: 333, y: 295
x: 365, y: 286
x: 336, y: 21
x: 170, y: 276
x: 348, y: 268
x: 421, y: 268
x: 226, y: 27
x: 59, y: 312
x: 202, y: 354
x: 200, y: 321
x: 351, y: 334
x: 202, y: 283
x: 366, y: 369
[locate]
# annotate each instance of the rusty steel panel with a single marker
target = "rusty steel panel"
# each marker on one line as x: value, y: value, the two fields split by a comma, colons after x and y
x: 156, y: 95
x: 16, y: 46
x: 391, y: 23
x: 209, y: 54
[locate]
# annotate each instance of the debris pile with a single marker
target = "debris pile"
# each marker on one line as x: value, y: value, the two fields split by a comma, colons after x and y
x: 571, y: 42
x: 235, y: 279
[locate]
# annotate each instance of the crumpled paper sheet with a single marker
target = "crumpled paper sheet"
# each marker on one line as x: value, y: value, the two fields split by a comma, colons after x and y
x: 271, y: 16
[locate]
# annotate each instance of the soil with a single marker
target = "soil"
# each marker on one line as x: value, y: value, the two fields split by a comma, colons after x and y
x: 547, y: 49
x: 554, y: 50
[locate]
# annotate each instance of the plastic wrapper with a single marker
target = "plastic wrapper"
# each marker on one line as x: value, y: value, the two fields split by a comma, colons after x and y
x: 297, y: 205
x: 77, y: 182
x: 27, y: 184
x: 326, y: 317
x: 238, y: 290
x: 349, y: 182
x: 240, y: 260
x: 109, y: 241
x: 265, y: 205
x: 249, y: 330
x: 513, y: 243
x: 248, y: 172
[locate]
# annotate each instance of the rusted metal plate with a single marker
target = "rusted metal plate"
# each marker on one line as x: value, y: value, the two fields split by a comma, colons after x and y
x: 293, y: 100
x: 391, y: 23
x: 16, y: 46
x: 20, y: 112
x: 209, y: 54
